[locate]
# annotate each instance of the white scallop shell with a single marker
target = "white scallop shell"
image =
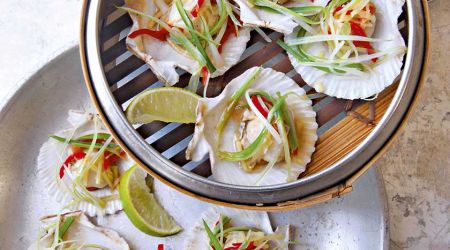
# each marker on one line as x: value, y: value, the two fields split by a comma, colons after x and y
x: 254, y: 17
x: 81, y: 230
x: 370, y: 83
x: 53, y: 153
x: 210, y: 110
x: 197, y: 239
x: 163, y: 59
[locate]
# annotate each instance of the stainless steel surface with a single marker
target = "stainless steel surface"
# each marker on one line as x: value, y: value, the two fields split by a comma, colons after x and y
x: 357, y: 221
x: 182, y: 177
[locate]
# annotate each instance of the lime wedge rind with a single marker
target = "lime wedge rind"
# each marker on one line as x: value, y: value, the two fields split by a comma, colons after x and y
x: 141, y: 206
x: 167, y: 104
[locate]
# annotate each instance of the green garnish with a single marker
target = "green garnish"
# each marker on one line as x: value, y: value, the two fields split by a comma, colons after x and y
x: 233, y: 103
x: 194, y: 34
x: 224, y: 220
x: 223, y: 15
x: 283, y: 10
x: 243, y: 245
x: 100, y: 136
x: 212, y: 238
x: 65, y: 226
x: 82, y: 144
x: 307, y: 10
x: 254, y: 146
x: 292, y: 135
x: 175, y: 35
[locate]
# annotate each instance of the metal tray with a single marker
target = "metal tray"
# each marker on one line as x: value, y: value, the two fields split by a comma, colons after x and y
x: 357, y: 221
x: 114, y: 77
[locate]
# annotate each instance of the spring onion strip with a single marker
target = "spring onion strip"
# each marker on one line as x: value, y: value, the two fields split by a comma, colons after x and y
x: 307, y: 10
x: 301, y: 20
x: 65, y: 226
x: 282, y: 9
x: 261, y: 102
x: 267, y: 169
x: 263, y: 34
x: 327, y: 67
x: 243, y: 245
x: 324, y: 38
x: 217, y: 59
x: 292, y: 135
x: 220, y: 34
x: 100, y: 136
x: 256, y: 144
x: 194, y: 36
x: 260, y: 246
x: 225, y: 220
x: 81, y: 144
x: 390, y: 52
x: 221, y: 234
x: 258, y: 114
x: 223, y: 16
x: 336, y: 50
x: 287, y: 152
x: 57, y: 226
x: 234, y: 19
x: 86, y: 166
x: 236, y: 229
x: 78, y: 189
x: 212, y: 238
x: 162, y: 5
x: 205, y: 88
x: 193, y: 81
x: 175, y: 35
x: 233, y: 102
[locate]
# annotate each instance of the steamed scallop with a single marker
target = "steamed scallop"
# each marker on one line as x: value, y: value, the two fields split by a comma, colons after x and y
x: 265, y: 136
x: 354, y: 53
x: 62, y: 168
x: 80, y: 234
x: 166, y: 54
x: 259, y: 223
x: 255, y: 13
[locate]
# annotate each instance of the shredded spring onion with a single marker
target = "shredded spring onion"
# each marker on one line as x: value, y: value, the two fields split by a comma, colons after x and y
x: 256, y: 144
x: 212, y: 238
x: 175, y: 35
x: 233, y: 103
x: 263, y: 34
x: 194, y: 34
x: 258, y: 114
x: 303, y: 21
x: 324, y: 38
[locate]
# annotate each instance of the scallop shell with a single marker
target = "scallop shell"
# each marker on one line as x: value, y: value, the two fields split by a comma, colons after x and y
x: 254, y: 17
x: 209, y: 113
x: 371, y: 83
x: 197, y: 239
x: 49, y: 162
x: 163, y: 59
x: 84, y: 231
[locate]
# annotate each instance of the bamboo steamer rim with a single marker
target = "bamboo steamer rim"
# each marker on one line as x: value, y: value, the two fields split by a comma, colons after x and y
x: 316, y: 198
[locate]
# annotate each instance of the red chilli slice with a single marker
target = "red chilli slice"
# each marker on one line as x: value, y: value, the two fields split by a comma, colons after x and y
x: 158, y: 34
x: 357, y: 30
x: 228, y: 32
x: 258, y: 106
x: 195, y: 10
x: 70, y: 160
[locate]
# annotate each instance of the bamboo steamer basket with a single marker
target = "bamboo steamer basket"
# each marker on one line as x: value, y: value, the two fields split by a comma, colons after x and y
x: 350, y: 140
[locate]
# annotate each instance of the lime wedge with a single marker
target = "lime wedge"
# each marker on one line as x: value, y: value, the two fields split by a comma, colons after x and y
x: 141, y: 206
x: 167, y: 104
